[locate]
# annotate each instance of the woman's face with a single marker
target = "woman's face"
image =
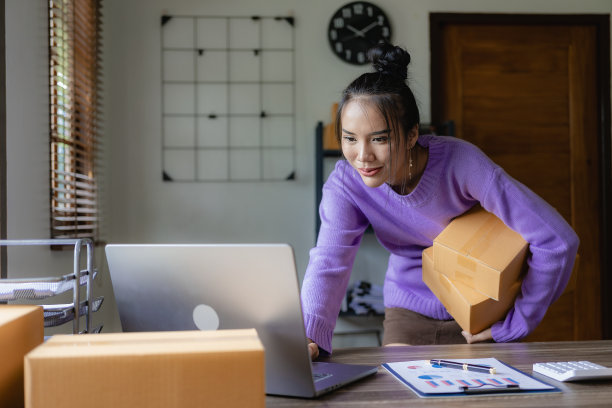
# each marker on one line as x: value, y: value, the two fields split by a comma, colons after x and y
x: 366, y: 143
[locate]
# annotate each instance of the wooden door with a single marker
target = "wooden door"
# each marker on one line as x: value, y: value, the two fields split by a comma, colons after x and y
x: 527, y: 96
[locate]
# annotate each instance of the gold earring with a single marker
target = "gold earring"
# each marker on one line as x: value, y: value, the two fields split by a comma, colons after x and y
x: 410, y: 165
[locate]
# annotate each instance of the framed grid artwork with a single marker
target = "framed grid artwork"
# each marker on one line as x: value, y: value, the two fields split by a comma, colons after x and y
x: 228, y: 98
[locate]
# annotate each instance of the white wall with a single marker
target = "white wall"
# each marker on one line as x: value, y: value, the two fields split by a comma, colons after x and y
x: 142, y: 208
x: 146, y: 209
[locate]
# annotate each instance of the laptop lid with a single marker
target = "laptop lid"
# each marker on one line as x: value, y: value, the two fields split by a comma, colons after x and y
x: 232, y: 286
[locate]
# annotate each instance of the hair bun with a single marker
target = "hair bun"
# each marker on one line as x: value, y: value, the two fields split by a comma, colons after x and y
x: 390, y: 60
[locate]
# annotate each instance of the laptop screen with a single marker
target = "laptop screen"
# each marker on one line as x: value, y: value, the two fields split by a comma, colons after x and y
x: 207, y: 287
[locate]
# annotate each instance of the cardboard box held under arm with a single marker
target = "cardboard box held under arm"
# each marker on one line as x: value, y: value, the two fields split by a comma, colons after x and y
x: 21, y: 330
x: 478, y: 250
x: 222, y: 368
x: 472, y: 310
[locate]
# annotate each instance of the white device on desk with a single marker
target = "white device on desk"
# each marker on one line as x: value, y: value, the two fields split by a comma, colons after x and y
x: 573, y: 370
x: 209, y: 287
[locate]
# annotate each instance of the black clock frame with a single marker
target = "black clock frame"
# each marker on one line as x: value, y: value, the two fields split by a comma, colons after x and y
x: 355, y: 28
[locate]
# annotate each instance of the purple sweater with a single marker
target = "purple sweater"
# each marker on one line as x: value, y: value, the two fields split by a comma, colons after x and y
x: 457, y: 176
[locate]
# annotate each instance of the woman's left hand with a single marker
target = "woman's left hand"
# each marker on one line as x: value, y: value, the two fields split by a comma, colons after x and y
x: 479, y: 337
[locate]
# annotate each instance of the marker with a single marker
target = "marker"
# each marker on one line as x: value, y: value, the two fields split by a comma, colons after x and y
x: 463, y: 366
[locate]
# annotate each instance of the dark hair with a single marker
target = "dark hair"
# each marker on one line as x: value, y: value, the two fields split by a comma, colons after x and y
x: 387, y: 89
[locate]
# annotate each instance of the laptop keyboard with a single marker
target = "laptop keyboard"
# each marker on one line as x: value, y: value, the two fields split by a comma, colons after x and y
x: 321, y: 376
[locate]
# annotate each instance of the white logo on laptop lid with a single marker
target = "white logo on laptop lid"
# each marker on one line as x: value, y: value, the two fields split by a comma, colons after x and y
x: 205, y: 317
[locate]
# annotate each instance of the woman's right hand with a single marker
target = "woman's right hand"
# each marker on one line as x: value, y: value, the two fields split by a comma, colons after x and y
x: 313, y: 349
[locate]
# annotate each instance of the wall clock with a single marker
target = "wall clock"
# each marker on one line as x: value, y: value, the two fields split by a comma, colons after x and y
x: 355, y: 28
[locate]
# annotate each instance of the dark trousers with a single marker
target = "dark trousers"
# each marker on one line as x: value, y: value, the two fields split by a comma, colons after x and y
x: 406, y: 326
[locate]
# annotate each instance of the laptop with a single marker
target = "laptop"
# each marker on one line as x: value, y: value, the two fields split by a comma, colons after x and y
x: 210, y: 287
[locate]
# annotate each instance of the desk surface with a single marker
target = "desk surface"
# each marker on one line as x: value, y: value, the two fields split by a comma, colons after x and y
x: 383, y: 390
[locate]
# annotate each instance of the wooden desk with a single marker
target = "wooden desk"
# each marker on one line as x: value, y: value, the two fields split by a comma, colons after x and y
x: 383, y: 390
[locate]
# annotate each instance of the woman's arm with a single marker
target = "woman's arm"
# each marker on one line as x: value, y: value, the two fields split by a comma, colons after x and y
x: 331, y: 261
x: 552, y: 250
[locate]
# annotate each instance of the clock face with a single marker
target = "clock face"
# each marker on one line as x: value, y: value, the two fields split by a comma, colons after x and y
x: 355, y: 28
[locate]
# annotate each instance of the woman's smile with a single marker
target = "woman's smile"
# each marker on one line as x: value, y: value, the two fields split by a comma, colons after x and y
x: 369, y: 171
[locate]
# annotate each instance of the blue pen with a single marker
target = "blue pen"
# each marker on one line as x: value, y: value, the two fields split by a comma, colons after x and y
x: 463, y: 366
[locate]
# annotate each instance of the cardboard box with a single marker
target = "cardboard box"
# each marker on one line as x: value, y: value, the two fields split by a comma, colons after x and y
x: 480, y: 251
x: 222, y: 368
x: 330, y: 142
x: 21, y: 330
x: 472, y: 310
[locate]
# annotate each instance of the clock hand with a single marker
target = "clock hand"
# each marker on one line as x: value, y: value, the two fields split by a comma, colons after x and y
x: 357, y: 32
x: 348, y: 37
x: 369, y: 27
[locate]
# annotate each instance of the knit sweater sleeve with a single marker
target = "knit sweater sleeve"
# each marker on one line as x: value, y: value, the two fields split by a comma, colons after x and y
x: 331, y: 261
x: 552, y: 250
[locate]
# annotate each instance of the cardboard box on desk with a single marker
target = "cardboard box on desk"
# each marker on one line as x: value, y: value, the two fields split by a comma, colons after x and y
x: 472, y: 310
x: 222, y: 368
x: 480, y: 251
x: 21, y: 330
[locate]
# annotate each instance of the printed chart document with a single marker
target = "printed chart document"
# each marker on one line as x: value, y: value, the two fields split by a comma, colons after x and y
x: 433, y: 380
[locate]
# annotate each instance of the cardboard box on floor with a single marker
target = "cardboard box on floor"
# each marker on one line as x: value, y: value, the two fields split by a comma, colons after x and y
x: 472, y: 310
x: 480, y: 251
x: 222, y: 368
x: 21, y: 330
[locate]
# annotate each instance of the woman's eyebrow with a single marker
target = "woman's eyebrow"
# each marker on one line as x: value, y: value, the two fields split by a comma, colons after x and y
x: 378, y: 132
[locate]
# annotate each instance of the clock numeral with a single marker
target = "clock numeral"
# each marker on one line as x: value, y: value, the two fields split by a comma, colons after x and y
x: 346, y: 13
x: 361, y: 57
x: 338, y: 22
x: 385, y: 32
x: 370, y: 11
x: 347, y: 54
x: 381, y: 20
x: 338, y: 47
x: 358, y: 9
x: 333, y: 34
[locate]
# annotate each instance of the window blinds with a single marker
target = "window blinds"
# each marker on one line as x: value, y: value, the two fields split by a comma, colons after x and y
x: 74, y: 86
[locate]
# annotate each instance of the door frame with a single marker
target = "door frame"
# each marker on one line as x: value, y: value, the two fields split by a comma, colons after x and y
x: 437, y: 22
x: 3, y: 219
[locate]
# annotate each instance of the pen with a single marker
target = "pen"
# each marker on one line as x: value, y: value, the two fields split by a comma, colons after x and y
x: 505, y: 388
x: 463, y: 366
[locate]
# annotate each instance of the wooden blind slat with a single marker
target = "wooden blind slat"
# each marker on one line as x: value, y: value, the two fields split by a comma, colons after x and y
x: 82, y: 201
x: 72, y: 235
x: 77, y: 219
x: 82, y: 210
x: 74, y: 227
x: 83, y: 143
x: 76, y: 192
x: 75, y: 175
x: 72, y: 186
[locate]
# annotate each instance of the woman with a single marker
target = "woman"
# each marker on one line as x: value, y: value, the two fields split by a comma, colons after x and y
x: 409, y: 187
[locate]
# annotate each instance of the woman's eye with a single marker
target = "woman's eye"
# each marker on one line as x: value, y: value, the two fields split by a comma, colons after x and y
x: 349, y: 138
x: 382, y: 139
